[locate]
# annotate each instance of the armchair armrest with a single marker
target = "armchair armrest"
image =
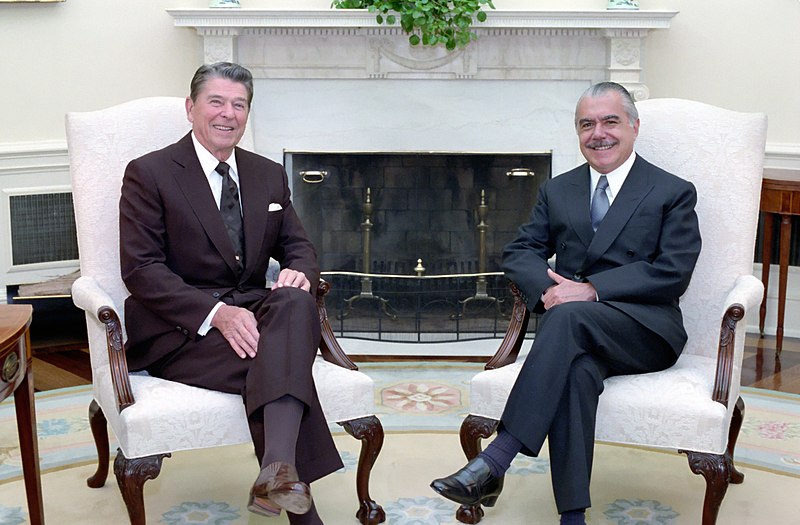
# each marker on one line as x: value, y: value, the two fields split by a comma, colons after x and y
x: 89, y: 296
x: 746, y: 294
x: 515, y: 334
x: 328, y: 345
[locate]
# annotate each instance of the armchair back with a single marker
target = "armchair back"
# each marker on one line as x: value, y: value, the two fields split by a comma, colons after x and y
x: 724, y: 162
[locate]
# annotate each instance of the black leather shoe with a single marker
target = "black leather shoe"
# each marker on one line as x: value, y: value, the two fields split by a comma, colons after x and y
x: 472, y: 485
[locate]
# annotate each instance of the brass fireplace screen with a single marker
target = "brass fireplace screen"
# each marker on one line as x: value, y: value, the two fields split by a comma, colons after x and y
x: 411, y: 242
x: 419, y: 309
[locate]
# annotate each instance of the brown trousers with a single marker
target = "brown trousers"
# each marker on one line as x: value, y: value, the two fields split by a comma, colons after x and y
x: 289, y: 329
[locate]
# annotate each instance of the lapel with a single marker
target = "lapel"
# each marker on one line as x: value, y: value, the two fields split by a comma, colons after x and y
x: 255, y: 199
x: 192, y: 181
x: 579, y: 208
x: 637, y: 185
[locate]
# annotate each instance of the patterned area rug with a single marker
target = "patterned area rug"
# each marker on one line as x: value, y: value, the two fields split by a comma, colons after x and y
x: 421, y: 406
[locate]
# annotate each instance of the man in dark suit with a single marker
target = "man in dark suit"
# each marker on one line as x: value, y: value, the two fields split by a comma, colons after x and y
x: 194, y: 256
x: 626, y: 240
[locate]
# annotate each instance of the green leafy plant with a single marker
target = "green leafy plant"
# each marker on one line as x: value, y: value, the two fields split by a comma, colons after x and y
x: 430, y: 22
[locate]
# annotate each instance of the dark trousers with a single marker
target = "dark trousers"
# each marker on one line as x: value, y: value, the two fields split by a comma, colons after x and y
x: 289, y: 330
x: 577, y: 346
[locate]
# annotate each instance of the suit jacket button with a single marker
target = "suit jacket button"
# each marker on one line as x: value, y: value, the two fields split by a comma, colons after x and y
x: 178, y: 328
x: 563, y: 245
x: 185, y: 331
x: 577, y: 276
x: 215, y: 295
x: 629, y: 253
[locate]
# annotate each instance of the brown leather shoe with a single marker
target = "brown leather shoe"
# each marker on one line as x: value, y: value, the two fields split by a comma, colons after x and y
x: 278, y: 485
x: 263, y: 507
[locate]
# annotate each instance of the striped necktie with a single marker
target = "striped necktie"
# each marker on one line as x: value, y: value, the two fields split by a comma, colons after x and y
x: 231, y: 212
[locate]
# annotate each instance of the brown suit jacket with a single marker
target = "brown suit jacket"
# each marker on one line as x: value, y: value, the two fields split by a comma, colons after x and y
x: 176, y: 258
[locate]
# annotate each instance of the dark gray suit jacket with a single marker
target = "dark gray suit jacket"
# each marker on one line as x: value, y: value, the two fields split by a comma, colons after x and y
x: 641, y: 258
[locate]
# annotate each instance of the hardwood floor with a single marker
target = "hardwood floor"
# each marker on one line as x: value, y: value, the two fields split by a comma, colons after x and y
x: 761, y: 368
x: 60, y: 368
x: 64, y: 361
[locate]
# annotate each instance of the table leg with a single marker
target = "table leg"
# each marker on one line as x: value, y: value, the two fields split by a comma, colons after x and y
x: 29, y: 447
x: 766, y: 259
x: 786, y: 235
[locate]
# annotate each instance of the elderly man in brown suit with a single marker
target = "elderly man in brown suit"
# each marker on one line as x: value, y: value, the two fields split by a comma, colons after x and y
x: 199, y: 221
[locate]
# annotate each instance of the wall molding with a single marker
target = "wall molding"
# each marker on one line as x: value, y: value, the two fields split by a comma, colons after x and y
x: 33, y: 157
x: 785, y: 155
x: 20, y: 157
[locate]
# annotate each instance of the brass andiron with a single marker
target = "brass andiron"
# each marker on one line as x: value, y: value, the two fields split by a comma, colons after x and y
x: 366, y: 280
x: 481, y: 286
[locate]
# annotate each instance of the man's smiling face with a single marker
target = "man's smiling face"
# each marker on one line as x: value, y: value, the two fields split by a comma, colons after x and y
x: 219, y: 115
x: 605, y: 134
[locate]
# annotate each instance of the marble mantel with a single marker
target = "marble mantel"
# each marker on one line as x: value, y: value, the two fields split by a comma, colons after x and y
x: 590, y: 45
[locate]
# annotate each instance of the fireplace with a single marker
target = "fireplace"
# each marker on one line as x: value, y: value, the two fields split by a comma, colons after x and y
x: 332, y: 81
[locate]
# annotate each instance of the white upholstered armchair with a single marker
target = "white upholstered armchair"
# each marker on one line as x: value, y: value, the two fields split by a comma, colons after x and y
x: 151, y: 417
x: 693, y: 407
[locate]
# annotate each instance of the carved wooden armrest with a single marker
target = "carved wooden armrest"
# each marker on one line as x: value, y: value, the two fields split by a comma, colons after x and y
x: 118, y: 364
x: 745, y: 295
x: 725, y: 353
x: 515, y: 334
x: 329, y: 347
x: 89, y: 296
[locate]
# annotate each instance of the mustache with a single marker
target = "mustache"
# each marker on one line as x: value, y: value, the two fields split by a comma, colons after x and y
x: 600, y: 143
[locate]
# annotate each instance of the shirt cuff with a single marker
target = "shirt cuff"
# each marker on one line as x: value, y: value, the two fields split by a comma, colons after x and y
x: 206, y: 326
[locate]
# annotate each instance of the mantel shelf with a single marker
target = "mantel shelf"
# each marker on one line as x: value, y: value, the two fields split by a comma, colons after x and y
x: 361, y: 18
x: 348, y: 44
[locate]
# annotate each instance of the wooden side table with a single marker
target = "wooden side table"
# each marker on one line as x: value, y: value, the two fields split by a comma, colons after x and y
x: 16, y: 378
x: 780, y: 194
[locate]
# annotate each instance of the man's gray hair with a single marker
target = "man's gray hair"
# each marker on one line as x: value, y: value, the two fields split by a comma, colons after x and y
x: 227, y: 70
x: 602, y: 88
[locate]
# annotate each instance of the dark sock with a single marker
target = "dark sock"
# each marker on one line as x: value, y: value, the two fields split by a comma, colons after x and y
x: 574, y: 517
x: 501, y: 452
x: 281, y: 427
x: 309, y: 518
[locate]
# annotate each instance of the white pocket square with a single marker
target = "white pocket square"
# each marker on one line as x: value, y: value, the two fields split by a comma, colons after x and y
x: 274, y: 206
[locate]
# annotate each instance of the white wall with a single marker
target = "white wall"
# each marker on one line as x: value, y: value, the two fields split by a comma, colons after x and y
x: 74, y: 55
x: 87, y: 54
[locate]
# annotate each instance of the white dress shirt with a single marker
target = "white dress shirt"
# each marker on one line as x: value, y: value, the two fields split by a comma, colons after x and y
x: 209, y: 164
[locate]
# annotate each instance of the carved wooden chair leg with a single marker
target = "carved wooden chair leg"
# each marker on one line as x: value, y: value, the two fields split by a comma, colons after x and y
x: 473, y: 429
x: 733, y: 434
x: 713, y: 467
x: 131, y: 475
x: 370, y: 432
x: 99, y: 426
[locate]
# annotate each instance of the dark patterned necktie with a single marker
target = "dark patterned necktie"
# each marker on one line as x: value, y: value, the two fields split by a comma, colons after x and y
x: 599, y: 202
x: 231, y: 212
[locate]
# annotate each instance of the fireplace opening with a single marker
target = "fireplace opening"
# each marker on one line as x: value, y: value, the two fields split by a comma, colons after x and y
x: 412, y: 242
x: 420, y: 206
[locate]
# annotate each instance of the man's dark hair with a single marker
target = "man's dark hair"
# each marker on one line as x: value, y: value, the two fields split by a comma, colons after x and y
x: 628, y: 103
x: 227, y: 70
